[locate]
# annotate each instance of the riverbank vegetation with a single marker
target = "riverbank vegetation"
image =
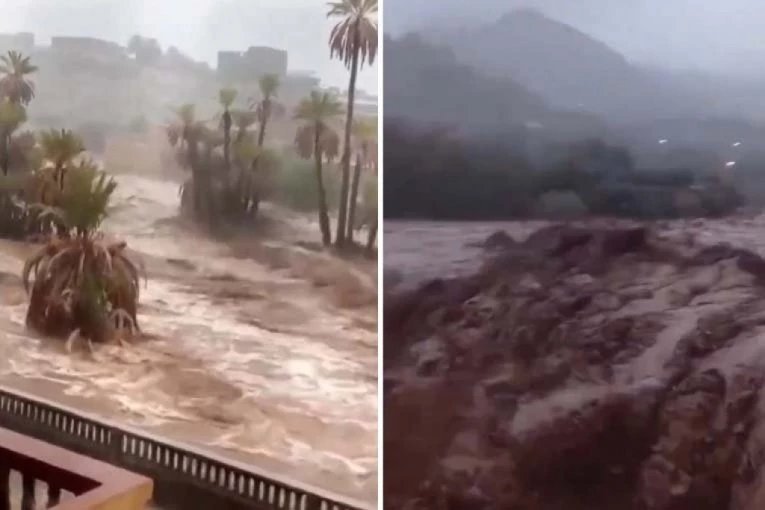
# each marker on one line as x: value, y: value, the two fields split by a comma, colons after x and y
x: 232, y: 168
x: 79, y: 284
x: 436, y: 174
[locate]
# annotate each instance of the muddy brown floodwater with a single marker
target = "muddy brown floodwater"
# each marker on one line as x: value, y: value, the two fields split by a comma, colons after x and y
x: 261, y: 350
x: 596, y: 365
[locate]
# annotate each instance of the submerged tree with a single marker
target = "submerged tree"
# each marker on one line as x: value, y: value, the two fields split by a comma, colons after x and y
x: 83, y: 286
x: 354, y: 41
x: 315, y: 138
x: 186, y: 133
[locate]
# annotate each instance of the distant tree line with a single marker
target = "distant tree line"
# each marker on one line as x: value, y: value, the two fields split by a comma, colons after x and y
x: 433, y: 173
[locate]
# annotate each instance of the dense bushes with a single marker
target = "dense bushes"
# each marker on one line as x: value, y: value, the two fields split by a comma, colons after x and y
x: 432, y: 175
x: 435, y: 174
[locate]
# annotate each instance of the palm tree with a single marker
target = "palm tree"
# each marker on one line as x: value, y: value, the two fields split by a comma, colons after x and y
x: 365, y: 135
x: 12, y: 115
x: 60, y: 147
x: 243, y: 120
x: 267, y: 106
x: 227, y: 98
x: 316, y: 139
x: 354, y: 41
x: 266, y: 109
x: 83, y: 287
x: 186, y: 132
x: 14, y: 83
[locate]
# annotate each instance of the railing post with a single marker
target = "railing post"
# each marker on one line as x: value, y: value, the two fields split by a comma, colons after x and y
x: 115, y: 446
x: 312, y: 502
x: 54, y: 496
x: 27, y: 492
x: 5, y: 488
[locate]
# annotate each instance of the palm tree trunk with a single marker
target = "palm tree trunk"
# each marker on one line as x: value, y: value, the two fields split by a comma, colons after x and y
x: 210, y: 196
x: 326, y: 231
x: 227, y: 139
x: 59, y: 172
x: 248, y: 207
x: 343, y: 205
x: 196, y: 177
x: 263, y: 124
x: 354, y: 198
x: 372, y: 237
x: 5, y: 147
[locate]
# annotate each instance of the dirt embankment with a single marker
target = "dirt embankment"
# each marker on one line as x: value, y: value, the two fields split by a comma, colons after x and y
x: 580, y: 369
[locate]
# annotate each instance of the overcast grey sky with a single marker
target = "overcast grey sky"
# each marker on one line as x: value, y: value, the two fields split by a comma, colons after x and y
x: 702, y: 34
x: 198, y: 27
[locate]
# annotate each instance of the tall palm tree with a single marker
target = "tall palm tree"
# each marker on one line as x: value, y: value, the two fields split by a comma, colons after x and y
x: 12, y: 115
x: 365, y: 136
x: 354, y: 41
x: 227, y: 97
x: 15, y: 84
x: 267, y: 107
x: 316, y: 138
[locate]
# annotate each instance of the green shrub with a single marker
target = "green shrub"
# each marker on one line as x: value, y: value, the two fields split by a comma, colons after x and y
x: 295, y: 184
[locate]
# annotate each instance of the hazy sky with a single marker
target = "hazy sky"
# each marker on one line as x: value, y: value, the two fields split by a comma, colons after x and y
x: 198, y: 27
x: 702, y: 34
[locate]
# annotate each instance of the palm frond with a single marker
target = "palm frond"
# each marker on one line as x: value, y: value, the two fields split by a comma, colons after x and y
x: 356, y: 32
x: 226, y: 97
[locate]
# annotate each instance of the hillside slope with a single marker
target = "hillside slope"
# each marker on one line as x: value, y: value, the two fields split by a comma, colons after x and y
x: 426, y: 83
x: 565, y: 66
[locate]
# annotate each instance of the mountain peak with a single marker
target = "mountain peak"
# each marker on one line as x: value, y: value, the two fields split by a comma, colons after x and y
x: 524, y: 12
x: 530, y: 18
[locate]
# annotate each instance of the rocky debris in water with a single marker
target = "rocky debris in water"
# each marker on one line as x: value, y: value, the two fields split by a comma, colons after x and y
x: 567, y: 374
x: 499, y: 240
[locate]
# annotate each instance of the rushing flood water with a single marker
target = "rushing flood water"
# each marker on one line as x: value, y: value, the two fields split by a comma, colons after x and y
x: 420, y: 250
x: 255, y: 350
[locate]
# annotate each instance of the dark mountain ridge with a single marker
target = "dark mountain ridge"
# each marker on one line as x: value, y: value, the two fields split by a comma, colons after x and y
x: 565, y: 66
x: 426, y: 83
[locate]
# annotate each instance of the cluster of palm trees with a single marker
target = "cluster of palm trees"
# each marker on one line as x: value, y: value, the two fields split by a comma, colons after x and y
x: 316, y: 139
x: 228, y: 184
x: 354, y: 41
x: 82, y: 286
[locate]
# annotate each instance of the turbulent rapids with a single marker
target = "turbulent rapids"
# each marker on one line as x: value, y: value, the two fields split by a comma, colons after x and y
x: 598, y: 365
x: 263, y: 350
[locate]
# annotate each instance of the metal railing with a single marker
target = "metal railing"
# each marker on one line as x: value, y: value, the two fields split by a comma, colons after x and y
x: 184, y: 477
x: 89, y: 483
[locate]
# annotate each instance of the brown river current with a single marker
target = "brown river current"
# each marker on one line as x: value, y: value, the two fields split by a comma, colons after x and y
x: 626, y: 356
x: 264, y: 350
x: 419, y: 250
